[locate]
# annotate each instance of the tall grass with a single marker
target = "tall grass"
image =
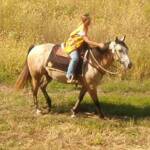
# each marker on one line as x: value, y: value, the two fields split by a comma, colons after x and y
x: 25, y: 22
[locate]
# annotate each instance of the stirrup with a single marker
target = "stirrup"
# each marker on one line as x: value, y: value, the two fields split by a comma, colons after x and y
x: 71, y: 80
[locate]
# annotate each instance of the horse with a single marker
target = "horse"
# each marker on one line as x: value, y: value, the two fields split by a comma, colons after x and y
x: 97, y: 64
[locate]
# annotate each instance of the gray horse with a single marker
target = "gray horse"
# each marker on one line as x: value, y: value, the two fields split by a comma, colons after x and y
x: 35, y: 70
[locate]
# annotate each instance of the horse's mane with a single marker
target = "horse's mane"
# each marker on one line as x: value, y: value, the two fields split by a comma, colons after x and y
x: 105, y: 49
x: 101, y: 52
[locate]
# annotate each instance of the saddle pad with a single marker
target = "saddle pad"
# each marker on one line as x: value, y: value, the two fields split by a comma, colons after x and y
x: 59, y: 60
x: 60, y: 52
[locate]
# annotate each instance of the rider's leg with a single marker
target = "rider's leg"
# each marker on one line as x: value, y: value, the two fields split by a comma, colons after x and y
x: 73, y: 63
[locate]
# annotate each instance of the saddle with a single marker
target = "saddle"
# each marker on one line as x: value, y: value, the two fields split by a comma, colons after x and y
x: 59, y: 60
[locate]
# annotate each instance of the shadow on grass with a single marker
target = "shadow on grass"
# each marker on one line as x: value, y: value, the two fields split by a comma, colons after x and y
x: 109, y: 109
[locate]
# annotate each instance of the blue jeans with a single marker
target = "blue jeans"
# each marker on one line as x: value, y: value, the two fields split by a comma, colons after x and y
x: 73, y: 64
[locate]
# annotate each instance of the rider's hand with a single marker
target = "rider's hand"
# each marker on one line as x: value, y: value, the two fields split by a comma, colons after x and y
x: 101, y: 45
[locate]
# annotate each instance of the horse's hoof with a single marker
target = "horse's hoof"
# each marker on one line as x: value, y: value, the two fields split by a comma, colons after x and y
x: 44, y: 112
x: 73, y: 113
x: 38, y: 112
x: 49, y: 110
x: 45, y: 107
x: 73, y: 116
x: 107, y: 118
x: 102, y: 117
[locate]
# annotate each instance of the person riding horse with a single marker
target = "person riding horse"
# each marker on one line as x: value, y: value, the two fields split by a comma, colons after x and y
x: 99, y: 59
x: 76, y: 40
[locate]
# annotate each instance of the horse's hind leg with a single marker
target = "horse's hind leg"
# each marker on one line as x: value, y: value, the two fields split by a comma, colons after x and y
x: 35, y: 87
x: 43, y: 86
x: 77, y: 104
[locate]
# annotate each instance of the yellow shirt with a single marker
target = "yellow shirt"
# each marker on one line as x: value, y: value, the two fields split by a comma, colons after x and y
x: 75, y: 40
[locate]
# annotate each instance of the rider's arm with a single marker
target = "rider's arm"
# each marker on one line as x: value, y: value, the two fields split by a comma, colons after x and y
x: 95, y: 44
x: 92, y: 43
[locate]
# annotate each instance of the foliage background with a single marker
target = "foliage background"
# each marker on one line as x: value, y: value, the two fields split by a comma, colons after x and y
x: 26, y: 22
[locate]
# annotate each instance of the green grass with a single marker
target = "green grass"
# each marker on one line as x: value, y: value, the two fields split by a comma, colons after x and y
x: 128, y: 128
x: 126, y: 86
x: 126, y: 102
x: 24, y: 23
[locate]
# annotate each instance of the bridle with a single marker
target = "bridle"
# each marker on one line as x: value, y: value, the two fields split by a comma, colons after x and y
x: 98, y: 66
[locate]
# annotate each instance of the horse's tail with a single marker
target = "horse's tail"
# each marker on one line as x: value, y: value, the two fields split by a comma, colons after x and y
x: 24, y: 75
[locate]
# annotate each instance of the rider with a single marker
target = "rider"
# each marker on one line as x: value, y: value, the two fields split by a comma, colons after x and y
x: 76, y: 39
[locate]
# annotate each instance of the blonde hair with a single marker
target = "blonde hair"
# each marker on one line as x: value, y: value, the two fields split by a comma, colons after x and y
x: 86, y: 18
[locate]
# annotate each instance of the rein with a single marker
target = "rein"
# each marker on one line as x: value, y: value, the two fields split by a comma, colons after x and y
x: 100, y: 67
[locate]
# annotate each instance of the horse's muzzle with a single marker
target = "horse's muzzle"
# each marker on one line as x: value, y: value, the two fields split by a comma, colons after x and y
x: 130, y: 65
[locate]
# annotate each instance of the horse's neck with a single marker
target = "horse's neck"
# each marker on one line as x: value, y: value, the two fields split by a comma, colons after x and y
x: 105, y: 59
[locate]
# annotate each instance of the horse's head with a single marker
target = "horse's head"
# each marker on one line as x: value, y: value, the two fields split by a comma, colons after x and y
x: 120, y: 52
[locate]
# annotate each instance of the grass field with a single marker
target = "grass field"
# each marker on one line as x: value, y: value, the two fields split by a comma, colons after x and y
x: 23, y: 23
x: 127, y: 103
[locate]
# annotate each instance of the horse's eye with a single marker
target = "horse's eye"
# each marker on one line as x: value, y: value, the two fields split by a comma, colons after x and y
x: 121, y: 51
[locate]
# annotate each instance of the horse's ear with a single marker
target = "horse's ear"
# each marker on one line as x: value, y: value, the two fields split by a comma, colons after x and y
x: 123, y: 38
x: 116, y: 40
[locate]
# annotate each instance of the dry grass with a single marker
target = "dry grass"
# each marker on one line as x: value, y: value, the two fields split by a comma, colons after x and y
x: 128, y: 128
x: 23, y: 23
x: 31, y: 22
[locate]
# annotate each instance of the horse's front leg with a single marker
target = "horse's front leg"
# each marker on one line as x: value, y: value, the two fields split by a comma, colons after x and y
x: 93, y: 94
x: 74, y: 110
